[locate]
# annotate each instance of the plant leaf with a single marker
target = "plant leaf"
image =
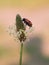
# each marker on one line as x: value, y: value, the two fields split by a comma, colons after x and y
x: 19, y: 23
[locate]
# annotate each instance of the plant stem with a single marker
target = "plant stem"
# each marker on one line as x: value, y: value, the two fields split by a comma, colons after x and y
x: 21, y: 51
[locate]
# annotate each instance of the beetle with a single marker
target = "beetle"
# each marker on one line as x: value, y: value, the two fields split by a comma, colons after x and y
x: 27, y: 22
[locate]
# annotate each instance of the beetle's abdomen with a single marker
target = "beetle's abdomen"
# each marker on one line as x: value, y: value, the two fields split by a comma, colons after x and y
x: 27, y: 22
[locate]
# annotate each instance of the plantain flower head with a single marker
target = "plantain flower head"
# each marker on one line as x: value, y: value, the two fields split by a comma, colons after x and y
x: 19, y: 29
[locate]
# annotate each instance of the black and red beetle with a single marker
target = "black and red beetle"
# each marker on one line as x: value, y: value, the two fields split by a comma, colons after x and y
x: 27, y: 22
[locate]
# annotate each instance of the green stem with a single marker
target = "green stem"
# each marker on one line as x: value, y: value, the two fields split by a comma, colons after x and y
x: 21, y: 51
